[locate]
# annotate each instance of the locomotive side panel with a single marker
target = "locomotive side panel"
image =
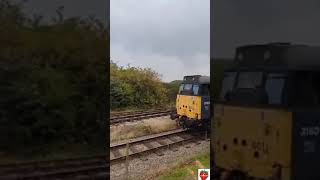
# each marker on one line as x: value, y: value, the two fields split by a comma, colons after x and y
x: 252, y: 140
x: 306, y: 145
x: 205, y: 107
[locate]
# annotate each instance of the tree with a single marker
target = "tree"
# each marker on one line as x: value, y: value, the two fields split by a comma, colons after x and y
x: 53, y: 80
x: 136, y: 87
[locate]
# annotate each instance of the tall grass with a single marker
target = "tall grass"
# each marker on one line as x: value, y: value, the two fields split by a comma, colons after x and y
x: 141, y: 128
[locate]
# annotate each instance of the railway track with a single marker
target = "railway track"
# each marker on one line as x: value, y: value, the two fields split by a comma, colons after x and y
x: 94, y: 167
x: 124, y: 113
x: 115, y: 114
x: 151, y: 143
x: 135, y: 116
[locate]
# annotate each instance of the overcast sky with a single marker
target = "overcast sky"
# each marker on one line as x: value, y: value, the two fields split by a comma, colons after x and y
x: 237, y: 22
x: 81, y: 8
x: 169, y: 36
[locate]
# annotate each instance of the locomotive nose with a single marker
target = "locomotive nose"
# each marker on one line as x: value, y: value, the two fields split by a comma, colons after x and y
x: 174, y: 116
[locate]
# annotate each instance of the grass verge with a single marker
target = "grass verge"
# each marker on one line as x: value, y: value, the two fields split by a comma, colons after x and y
x: 187, y: 169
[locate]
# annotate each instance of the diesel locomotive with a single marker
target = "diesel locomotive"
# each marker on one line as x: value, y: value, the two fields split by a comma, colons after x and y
x: 193, y: 102
x: 267, y: 119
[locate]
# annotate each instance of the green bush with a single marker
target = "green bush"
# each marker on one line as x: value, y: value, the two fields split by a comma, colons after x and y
x: 52, y: 80
x: 136, y: 87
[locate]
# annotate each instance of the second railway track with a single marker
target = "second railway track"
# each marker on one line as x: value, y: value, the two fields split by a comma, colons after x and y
x: 151, y: 143
x: 135, y: 116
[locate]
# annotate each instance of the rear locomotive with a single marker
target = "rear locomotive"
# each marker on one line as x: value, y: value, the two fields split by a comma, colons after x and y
x: 267, y: 119
x: 193, y: 102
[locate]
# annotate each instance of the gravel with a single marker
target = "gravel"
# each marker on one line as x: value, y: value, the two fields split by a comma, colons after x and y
x: 147, y: 166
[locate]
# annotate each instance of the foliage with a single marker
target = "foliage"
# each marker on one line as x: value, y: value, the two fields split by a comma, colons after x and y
x: 217, y: 68
x: 52, y: 80
x: 188, y: 168
x: 173, y: 88
x: 136, y: 87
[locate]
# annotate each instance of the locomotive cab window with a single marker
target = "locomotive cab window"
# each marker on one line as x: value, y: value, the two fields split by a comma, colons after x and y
x: 187, y: 87
x: 249, y: 80
x: 205, y: 90
x: 195, y: 89
x: 306, y: 89
x: 249, y: 89
x: 274, y: 87
x: 227, y: 85
x: 181, y: 88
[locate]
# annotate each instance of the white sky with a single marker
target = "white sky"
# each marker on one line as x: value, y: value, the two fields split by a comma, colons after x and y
x: 170, y: 36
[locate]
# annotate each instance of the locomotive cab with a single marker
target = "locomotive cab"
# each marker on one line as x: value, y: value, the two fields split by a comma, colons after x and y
x: 193, y: 102
x: 267, y: 119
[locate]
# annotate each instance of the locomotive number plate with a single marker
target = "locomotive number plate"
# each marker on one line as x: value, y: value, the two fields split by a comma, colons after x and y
x: 309, y: 131
x: 260, y: 146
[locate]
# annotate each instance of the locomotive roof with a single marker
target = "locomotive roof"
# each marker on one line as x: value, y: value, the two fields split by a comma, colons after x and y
x: 278, y: 55
x: 196, y: 79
